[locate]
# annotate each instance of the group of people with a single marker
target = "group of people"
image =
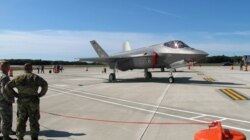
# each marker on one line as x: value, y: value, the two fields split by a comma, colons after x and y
x: 40, y: 68
x: 57, y: 68
x: 28, y: 100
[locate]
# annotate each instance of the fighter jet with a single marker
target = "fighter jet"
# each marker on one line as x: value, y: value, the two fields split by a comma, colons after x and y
x: 165, y: 55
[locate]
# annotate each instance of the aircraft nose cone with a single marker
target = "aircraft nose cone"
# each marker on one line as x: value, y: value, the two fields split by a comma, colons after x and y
x: 196, y: 55
x: 199, y: 54
x: 203, y: 53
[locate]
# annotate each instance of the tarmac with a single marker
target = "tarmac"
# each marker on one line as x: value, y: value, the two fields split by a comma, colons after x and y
x: 82, y: 104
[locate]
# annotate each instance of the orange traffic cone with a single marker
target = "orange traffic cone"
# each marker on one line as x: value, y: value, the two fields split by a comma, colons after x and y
x: 216, y: 132
x: 11, y: 72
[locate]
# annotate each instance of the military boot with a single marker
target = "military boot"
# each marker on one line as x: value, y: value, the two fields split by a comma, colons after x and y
x: 12, y: 132
x: 20, y: 138
x: 34, y: 138
x: 8, y: 138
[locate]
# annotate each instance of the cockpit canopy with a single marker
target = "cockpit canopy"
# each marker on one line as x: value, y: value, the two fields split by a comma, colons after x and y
x: 176, y: 44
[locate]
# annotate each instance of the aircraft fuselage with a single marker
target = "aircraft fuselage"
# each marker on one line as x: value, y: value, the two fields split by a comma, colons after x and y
x: 156, y: 56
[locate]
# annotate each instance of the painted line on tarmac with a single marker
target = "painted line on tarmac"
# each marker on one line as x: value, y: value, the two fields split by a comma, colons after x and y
x: 147, y: 110
x: 161, y: 107
x: 48, y: 96
x: 200, y: 116
x: 159, y: 101
x: 57, y: 94
x: 209, y: 79
x: 234, y: 95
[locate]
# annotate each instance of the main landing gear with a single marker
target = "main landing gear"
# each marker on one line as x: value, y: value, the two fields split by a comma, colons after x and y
x: 162, y: 69
x: 147, y: 74
x: 112, y: 77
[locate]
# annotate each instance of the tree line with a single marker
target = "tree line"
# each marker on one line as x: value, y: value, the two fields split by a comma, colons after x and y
x: 47, y: 62
x: 209, y: 59
x: 222, y: 59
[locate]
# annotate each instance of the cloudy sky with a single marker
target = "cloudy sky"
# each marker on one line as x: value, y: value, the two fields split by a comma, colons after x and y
x: 62, y: 29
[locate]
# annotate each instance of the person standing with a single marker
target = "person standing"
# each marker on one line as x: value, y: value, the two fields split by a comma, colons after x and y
x: 61, y: 68
x: 28, y: 102
x: 6, y: 101
x: 241, y: 65
x: 38, y: 69
x: 42, y: 68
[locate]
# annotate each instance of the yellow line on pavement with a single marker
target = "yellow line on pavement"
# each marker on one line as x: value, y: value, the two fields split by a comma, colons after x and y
x: 237, y: 94
x: 232, y: 96
x: 209, y: 79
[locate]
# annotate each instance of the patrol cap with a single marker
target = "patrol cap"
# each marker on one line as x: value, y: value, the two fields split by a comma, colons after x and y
x: 4, y: 64
x: 28, y: 67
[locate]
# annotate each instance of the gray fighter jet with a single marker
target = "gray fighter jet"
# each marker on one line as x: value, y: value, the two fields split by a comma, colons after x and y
x: 170, y: 55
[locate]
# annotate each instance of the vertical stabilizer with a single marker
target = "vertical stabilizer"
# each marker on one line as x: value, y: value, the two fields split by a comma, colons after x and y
x: 126, y: 46
x: 101, y: 53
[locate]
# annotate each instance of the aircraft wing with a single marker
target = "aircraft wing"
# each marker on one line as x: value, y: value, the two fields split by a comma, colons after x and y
x: 104, y: 60
x: 112, y: 59
x: 97, y: 59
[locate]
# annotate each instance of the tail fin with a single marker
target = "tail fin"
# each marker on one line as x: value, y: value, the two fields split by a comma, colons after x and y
x: 126, y: 46
x: 101, y: 53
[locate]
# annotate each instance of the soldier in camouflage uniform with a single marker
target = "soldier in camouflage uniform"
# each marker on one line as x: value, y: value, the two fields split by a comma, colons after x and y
x: 28, y: 100
x: 6, y: 109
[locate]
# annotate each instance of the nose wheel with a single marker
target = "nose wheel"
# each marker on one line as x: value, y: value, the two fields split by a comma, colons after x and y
x: 171, y: 79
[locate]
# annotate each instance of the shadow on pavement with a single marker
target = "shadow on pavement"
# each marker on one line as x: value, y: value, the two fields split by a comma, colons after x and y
x: 187, y: 80
x: 178, y: 80
x: 58, y: 134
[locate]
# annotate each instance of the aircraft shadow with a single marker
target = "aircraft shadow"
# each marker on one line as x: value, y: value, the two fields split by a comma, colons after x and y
x: 178, y: 71
x: 57, y: 134
x: 187, y: 80
x: 163, y: 71
x: 178, y: 80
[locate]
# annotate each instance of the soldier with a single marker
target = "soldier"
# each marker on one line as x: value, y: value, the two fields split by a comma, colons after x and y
x: 38, y: 69
x: 42, y: 68
x: 6, y: 101
x: 28, y: 101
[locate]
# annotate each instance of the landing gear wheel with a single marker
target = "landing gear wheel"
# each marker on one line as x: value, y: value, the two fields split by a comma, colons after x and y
x: 162, y: 69
x: 112, y: 77
x: 148, y: 75
x: 171, y: 79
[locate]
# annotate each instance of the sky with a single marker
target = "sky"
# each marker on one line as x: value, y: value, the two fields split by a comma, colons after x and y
x: 62, y: 29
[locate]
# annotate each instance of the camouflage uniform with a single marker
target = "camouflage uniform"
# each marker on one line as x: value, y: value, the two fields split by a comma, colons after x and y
x: 6, y: 109
x: 28, y: 101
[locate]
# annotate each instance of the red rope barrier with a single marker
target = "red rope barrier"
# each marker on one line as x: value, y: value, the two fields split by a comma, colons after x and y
x: 124, y: 122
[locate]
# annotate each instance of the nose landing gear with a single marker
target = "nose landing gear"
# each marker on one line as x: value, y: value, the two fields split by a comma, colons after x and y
x: 171, y: 77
